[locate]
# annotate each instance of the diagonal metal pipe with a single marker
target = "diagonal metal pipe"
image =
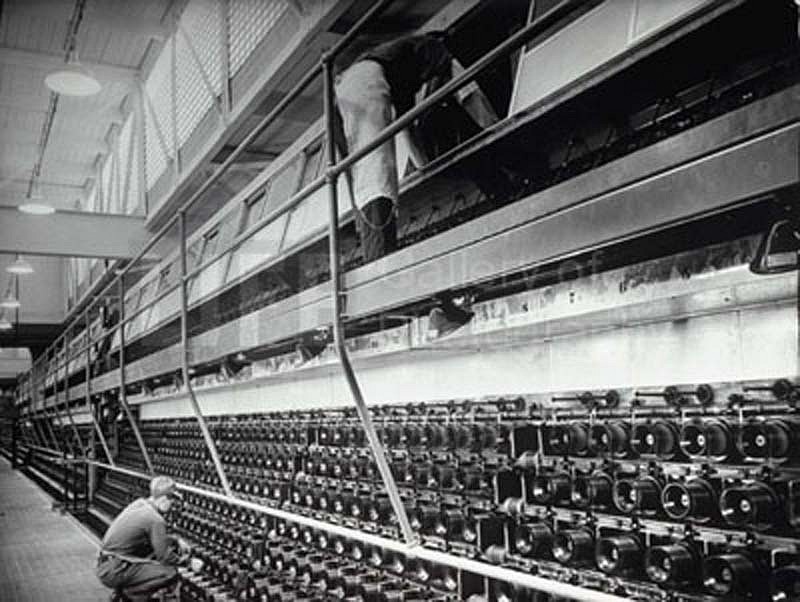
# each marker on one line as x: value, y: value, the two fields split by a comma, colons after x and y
x: 74, y: 426
x: 89, y: 406
x: 337, y: 295
x: 209, y: 440
x: 477, y: 567
x: 123, y: 395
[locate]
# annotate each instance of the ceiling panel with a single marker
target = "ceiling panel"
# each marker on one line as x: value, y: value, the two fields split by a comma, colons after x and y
x: 113, y: 38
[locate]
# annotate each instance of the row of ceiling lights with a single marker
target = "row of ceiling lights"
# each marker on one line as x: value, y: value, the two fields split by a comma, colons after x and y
x: 20, y: 267
x: 72, y: 79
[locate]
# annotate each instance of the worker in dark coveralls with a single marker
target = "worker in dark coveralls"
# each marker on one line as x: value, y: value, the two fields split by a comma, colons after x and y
x: 380, y: 83
x: 137, y: 557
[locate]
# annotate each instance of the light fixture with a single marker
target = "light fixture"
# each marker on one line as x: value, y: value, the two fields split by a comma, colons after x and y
x: 778, y: 250
x: 448, y: 316
x: 73, y: 79
x: 311, y: 344
x: 34, y: 203
x: 37, y: 208
x: 20, y: 267
x: 10, y: 302
x: 5, y: 324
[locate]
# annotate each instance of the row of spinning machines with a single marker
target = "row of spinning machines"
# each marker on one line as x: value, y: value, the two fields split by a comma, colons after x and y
x: 682, y: 493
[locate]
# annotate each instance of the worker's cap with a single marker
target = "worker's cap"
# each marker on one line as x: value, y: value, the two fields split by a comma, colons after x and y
x: 165, y: 486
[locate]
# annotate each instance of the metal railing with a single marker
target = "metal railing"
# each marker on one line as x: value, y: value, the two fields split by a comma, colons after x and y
x: 521, y: 578
x: 329, y: 179
x: 468, y: 75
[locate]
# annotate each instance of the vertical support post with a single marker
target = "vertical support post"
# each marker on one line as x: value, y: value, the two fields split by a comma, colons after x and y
x: 64, y: 483
x: 67, y: 447
x: 48, y: 427
x: 74, y: 427
x: 123, y: 396
x: 212, y: 447
x: 338, y: 331
x: 127, y: 205
x: 39, y: 434
x: 174, y: 103
x: 91, y: 469
x: 141, y: 148
x: 89, y: 405
x: 225, y: 58
x: 56, y: 412
x: 14, y: 434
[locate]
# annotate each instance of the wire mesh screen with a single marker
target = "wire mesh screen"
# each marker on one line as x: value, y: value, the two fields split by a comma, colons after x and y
x: 109, y: 189
x: 250, y: 22
x: 199, y: 65
x: 124, y: 157
x: 158, y: 115
x: 129, y: 153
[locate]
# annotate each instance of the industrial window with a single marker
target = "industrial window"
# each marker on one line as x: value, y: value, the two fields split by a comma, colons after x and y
x: 284, y: 184
x: 257, y: 249
x: 209, y: 246
x: 255, y: 207
x: 166, y: 278
x: 146, y: 296
x: 169, y: 304
x: 312, y: 166
x: 194, y: 253
x: 131, y: 300
x: 226, y: 230
x: 210, y: 278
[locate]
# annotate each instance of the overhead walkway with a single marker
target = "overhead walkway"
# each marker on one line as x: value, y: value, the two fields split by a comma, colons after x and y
x: 43, y: 556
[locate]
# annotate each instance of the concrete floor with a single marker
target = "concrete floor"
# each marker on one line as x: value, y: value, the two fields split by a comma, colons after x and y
x: 44, y: 556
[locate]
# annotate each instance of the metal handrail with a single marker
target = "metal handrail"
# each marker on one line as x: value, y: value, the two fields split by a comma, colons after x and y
x: 111, y: 330
x: 209, y: 440
x: 521, y: 37
x: 46, y: 450
x: 518, y: 39
x: 293, y: 201
x: 262, y: 125
x: 123, y: 395
x: 524, y: 579
x: 88, y: 399
x: 332, y: 172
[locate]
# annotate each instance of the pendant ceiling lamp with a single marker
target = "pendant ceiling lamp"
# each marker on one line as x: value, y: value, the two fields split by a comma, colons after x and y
x: 20, y: 267
x: 35, y: 204
x: 9, y: 302
x: 73, y: 79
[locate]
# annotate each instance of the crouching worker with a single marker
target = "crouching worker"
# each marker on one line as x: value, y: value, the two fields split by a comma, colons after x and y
x: 137, y: 557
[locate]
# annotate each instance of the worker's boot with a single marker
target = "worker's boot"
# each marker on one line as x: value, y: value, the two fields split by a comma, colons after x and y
x: 377, y: 229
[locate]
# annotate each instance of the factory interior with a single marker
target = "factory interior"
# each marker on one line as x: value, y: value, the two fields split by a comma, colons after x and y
x: 399, y: 300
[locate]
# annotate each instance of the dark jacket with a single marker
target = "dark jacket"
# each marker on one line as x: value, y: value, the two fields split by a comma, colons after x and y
x: 410, y: 62
x: 140, y: 532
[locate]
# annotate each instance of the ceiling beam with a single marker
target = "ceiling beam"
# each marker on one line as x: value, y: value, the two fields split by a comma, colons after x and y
x: 70, y: 179
x: 31, y: 335
x: 72, y: 234
x: 43, y: 183
x: 96, y: 13
x: 38, y: 104
x: 21, y: 143
x: 48, y: 62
